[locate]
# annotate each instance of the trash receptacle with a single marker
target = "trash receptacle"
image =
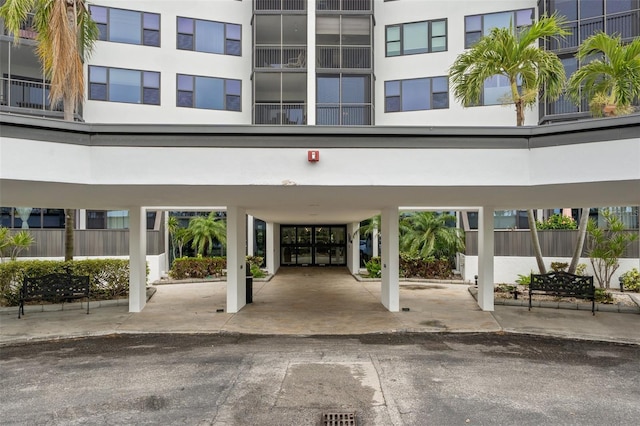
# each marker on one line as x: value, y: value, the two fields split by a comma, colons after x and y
x: 249, y: 284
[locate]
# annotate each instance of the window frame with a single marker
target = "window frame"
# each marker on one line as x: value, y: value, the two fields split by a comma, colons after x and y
x: 228, y: 38
x: 226, y: 96
x: 482, y: 26
x: 107, y: 84
x: 432, y: 92
x: 107, y: 25
x: 429, y: 40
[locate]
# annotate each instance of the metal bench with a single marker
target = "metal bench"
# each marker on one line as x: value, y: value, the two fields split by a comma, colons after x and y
x: 55, y: 288
x: 563, y: 284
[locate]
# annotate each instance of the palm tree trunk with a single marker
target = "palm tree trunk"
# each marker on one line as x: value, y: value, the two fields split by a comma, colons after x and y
x: 69, y: 108
x: 535, y: 241
x: 519, y: 113
x: 69, y: 219
x: 582, y: 232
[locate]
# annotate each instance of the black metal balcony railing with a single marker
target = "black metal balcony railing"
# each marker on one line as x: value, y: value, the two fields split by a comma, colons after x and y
x: 26, y: 94
x: 353, y: 5
x: 344, y: 115
x: 355, y: 57
x: 625, y: 24
x: 276, y: 56
x: 268, y: 5
x: 287, y: 114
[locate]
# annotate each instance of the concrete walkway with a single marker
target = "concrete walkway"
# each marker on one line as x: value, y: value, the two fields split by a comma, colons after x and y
x: 314, y: 301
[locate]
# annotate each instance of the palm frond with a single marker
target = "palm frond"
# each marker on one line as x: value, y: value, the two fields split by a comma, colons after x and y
x: 15, y: 13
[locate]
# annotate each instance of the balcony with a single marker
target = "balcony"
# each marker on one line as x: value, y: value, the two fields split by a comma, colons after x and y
x: 290, y: 114
x: 27, y: 97
x: 280, y: 57
x: 344, y: 115
x: 344, y: 5
x: 279, y: 5
x: 345, y: 57
x: 26, y: 30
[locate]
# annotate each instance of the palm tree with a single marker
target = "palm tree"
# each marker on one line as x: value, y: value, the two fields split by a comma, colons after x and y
x: 204, y: 230
x: 428, y: 234
x: 516, y: 56
x: 611, y: 82
x: 178, y: 236
x: 65, y: 38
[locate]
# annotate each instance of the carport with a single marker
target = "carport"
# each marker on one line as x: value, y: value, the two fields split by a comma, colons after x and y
x: 266, y: 172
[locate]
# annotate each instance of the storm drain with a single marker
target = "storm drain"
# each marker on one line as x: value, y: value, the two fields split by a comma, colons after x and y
x: 339, y: 419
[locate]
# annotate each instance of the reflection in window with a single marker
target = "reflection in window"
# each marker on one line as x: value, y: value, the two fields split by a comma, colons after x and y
x: 478, y: 25
x: 209, y: 36
x: 123, y: 85
x: 416, y: 37
x: 126, y: 26
x: 208, y: 93
x: 417, y: 94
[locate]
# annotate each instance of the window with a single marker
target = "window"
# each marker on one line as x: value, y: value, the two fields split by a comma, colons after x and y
x: 123, y: 85
x: 209, y: 36
x: 416, y: 94
x: 127, y: 26
x: 343, y: 100
x: 208, y: 93
x: 416, y: 37
x: 477, y: 26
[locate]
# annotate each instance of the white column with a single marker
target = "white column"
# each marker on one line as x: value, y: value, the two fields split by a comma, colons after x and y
x: 375, y: 242
x: 390, y: 259
x: 167, y: 239
x: 311, y: 61
x: 250, y: 235
x: 236, y: 252
x: 271, y: 249
x: 81, y: 222
x: 353, y: 247
x: 137, y: 259
x: 485, y: 258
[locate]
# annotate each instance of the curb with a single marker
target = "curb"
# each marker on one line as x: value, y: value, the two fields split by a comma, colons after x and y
x: 600, y: 307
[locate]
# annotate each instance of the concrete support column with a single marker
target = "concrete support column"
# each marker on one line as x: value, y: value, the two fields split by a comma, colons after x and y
x: 236, y: 258
x: 485, y: 258
x: 137, y: 259
x: 81, y: 219
x: 375, y: 242
x: 273, y: 247
x: 390, y: 259
x: 353, y: 247
x: 250, y: 236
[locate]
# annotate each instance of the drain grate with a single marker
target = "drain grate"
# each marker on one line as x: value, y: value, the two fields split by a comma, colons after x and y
x: 339, y: 419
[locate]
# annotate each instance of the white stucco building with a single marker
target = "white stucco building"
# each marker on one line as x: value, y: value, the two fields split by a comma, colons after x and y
x: 229, y: 103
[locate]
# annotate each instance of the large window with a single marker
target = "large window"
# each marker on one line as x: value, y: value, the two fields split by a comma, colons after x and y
x: 209, y: 93
x: 416, y: 37
x: 209, y: 36
x: 127, y: 26
x: 123, y: 85
x: 343, y: 100
x: 416, y: 94
x: 477, y: 26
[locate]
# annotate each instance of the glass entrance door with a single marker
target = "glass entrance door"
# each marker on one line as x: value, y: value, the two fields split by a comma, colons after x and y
x: 313, y: 245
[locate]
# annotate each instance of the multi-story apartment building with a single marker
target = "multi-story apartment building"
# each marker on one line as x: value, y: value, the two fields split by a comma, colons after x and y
x: 265, y: 63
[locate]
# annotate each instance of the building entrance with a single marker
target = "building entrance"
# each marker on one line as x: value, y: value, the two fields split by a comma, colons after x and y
x: 313, y: 245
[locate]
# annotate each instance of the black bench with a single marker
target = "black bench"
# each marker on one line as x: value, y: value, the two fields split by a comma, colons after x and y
x: 55, y: 288
x: 563, y: 284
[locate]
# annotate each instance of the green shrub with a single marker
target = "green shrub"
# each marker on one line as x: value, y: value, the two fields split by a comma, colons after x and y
x: 109, y: 278
x: 255, y: 261
x: 374, y: 267
x: 603, y: 296
x: 559, y: 266
x: 524, y: 279
x: 197, y: 267
x: 631, y: 280
x: 430, y: 267
x: 257, y: 272
x: 557, y: 221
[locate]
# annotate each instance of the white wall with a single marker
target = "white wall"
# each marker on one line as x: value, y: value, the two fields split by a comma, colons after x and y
x: 507, y: 268
x: 437, y: 63
x: 171, y: 61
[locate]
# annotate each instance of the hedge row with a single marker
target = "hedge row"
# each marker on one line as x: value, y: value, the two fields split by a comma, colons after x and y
x: 109, y: 278
x: 414, y: 266
x: 197, y: 267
